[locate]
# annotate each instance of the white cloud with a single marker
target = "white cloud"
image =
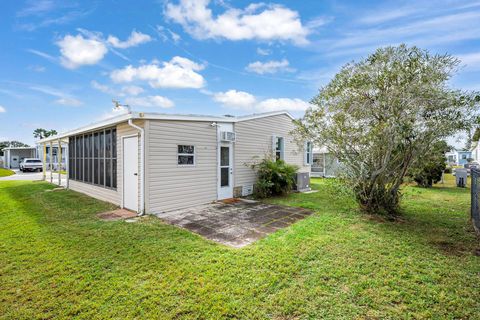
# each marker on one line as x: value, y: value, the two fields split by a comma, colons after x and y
x: 177, y: 73
x: 283, y: 104
x: 77, y: 51
x: 235, y: 99
x: 69, y: 101
x: 2, y: 109
x: 37, y: 68
x: 113, y: 113
x: 132, y: 90
x: 470, y: 60
x: 125, y: 90
x: 264, y: 52
x: 135, y: 39
x: 269, y: 67
x: 102, y: 87
x: 256, y: 21
x: 246, y: 101
x: 150, y: 101
x: 64, y: 98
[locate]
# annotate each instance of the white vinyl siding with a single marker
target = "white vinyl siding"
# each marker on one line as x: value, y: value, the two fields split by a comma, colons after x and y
x: 169, y: 185
x: 254, y: 142
x: 108, y: 195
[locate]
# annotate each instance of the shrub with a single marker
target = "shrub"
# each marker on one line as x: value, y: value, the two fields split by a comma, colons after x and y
x: 428, y: 170
x: 274, y: 178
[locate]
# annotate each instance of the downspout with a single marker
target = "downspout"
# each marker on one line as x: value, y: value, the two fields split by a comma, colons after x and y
x: 142, y: 170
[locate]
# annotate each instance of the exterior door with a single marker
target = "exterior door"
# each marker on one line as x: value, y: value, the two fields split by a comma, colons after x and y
x: 15, y: 163
x: 225, y: 171
x: 130, y: 173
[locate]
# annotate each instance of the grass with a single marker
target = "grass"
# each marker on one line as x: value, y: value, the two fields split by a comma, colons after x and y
x: 57, y: 260
x: 6, y: 172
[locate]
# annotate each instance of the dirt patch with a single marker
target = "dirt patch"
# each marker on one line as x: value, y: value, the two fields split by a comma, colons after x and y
x: 119, y: 214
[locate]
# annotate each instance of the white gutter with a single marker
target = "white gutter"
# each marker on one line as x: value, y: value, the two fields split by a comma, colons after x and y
x: 142, y: 171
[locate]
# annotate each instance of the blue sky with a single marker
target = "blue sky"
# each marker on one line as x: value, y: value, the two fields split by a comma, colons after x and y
x: 61, y: 62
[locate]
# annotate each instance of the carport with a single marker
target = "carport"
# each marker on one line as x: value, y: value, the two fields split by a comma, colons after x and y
x: 14, y: 155
x: 55, y: 162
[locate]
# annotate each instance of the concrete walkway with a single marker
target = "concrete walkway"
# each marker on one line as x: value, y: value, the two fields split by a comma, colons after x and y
x: 34, y: 176
x: 237, y: 223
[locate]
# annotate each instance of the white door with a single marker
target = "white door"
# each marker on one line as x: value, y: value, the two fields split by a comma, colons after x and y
x: 225, y: 171
x: 15, y: 163
x: 130, y: 173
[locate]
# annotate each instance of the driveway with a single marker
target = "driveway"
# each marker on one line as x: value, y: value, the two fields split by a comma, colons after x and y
x: 34, y: 176
x: 235, y: 223
x: 30, y: 176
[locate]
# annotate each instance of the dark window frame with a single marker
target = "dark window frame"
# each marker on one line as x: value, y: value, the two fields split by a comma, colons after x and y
x: 88, y: 158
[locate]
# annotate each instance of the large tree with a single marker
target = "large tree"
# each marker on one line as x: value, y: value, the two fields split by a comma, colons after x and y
x: 381, y: 114
x: 41, y: 133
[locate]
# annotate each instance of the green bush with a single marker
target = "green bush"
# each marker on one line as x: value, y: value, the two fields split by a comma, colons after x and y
x: 274, y: 178
x: 428, y: 170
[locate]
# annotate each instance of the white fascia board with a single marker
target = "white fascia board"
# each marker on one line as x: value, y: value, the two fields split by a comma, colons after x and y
x: 263, y: 115
x: 90, y: 127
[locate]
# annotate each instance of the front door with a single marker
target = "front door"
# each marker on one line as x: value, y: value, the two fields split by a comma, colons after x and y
x: 130, y: 173
x: 225, y: 171
x: 15, y: 163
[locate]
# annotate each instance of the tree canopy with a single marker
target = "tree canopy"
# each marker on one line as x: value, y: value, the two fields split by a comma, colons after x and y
x: 381, y: 114
x: 41, y: 133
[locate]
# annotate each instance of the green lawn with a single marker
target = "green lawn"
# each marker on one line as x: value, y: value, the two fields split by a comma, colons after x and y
x: 6, y: 172
x: 57, y: 260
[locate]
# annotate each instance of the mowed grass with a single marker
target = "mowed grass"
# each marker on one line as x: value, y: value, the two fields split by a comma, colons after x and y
x: 57, y: 260
x: 6, y: 172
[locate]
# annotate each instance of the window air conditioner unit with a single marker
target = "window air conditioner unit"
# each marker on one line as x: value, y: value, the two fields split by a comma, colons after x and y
x: 227, y: 136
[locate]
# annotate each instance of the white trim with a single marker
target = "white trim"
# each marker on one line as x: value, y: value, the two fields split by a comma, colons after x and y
x: 194, y: 154
x: 159, y: 116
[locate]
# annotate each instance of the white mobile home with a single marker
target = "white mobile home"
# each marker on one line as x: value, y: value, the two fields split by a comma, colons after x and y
x: 154, y: 163
x: 324, y: 163
x: 13, y: 156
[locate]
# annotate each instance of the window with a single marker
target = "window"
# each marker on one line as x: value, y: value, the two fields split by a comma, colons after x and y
x: 279, y: 147
x: 93, y: 158
x: 186, y: 155
x: 308, y: 153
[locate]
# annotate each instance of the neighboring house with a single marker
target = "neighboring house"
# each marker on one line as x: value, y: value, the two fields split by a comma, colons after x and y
x: 324, y: 163
x: 458, y: 157
x: 475, y: 151
x: 153, y: 163
x: 53, y: 154
x: 13, y: 156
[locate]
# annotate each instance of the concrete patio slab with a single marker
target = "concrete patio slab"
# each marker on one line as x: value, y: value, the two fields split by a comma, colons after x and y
x: 235, y: 223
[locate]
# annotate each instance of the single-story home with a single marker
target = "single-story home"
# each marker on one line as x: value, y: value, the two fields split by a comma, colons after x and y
x: 458, y: 157
x: 324, y: 163
x: 14, y: 155
x: 152, y: 163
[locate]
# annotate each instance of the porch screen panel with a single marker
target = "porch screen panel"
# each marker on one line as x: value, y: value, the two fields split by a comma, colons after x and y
x: 93, y: 158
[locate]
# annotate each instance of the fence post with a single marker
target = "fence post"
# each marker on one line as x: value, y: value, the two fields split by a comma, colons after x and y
x: 474, y: 205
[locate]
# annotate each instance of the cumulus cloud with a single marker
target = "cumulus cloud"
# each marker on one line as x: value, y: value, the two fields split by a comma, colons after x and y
x: 69, y: 101
x: 283, y: 104
x: 264, y: 52
x: 78, y: 50
x: 246, y: 101
x: 121, y: 92
x: 256, y: 21
x: 150, y: 101
x: 270, y: 67
x: 235, y: 99
x: 135, y: 39
x: 2, y: 109
x: 177, y: 73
